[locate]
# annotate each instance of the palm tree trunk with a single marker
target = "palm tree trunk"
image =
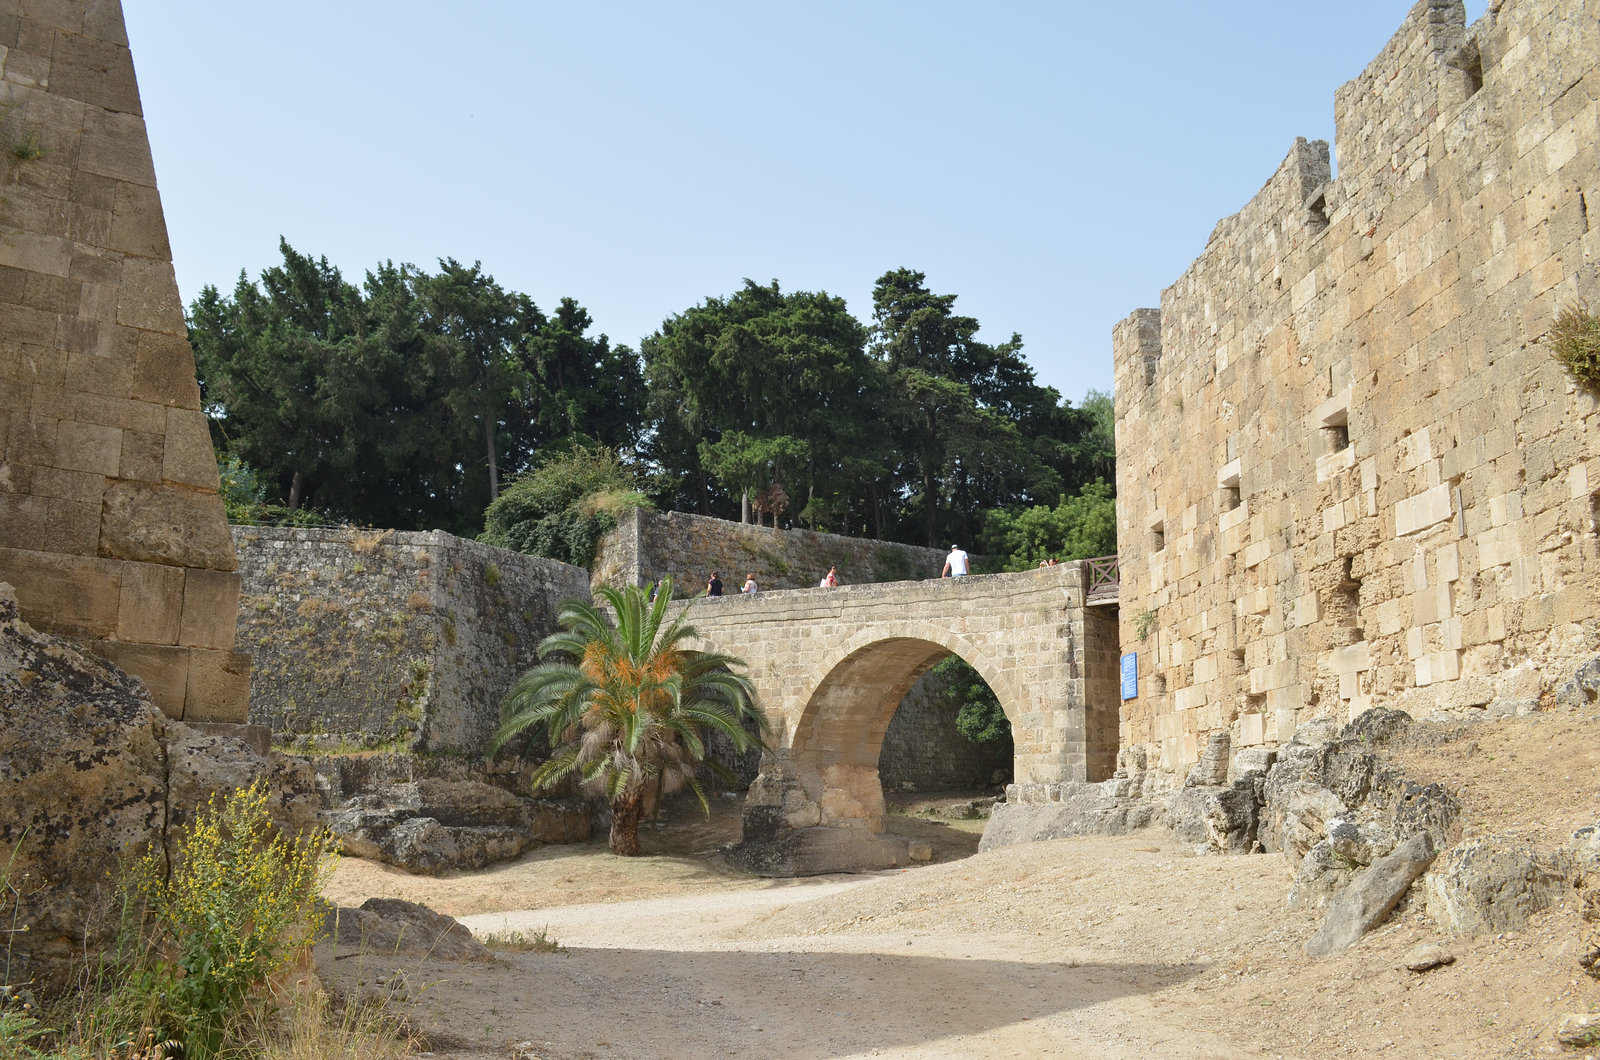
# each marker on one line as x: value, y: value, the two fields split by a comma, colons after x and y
x: 625, y: 813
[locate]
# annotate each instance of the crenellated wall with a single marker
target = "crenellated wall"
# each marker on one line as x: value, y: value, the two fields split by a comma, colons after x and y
x: 1349, y: 473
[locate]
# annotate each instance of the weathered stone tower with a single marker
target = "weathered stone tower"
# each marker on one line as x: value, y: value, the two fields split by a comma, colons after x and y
x: 1349, y: 472
x: 111, y: 529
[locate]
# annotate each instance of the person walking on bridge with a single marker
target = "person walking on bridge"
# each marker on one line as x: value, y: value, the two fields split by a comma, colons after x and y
x: 749, y: 584
x: 955, y: 564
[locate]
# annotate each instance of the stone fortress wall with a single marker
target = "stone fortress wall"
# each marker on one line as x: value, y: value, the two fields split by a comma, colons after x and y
x: 369, y: 639
x: 1349, y: 474
x: 399, y: 641
x: 648, y: 546
x: 111, y: 530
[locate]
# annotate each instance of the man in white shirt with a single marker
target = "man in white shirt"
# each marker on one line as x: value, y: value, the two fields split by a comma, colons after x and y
x: 955, y: 564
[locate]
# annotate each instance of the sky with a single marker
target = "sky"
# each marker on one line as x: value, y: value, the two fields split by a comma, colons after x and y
x: 1054, y: 165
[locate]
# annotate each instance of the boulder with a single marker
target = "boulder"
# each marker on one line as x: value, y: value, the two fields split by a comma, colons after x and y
x: 392, y: 927
x: 1495, y: 884
x: 1082, y: 809
x: 1371, y: 896
x: 1582, y: 689
x: 1322, y: 874
x: 433, y: 826
x: 92, y: 773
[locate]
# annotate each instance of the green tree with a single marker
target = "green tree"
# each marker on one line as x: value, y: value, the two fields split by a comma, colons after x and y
x: 780, y: 374
x: 262, y: 357
x: 625, y: 707
x: 955, y: 403
x: 1078, y: 527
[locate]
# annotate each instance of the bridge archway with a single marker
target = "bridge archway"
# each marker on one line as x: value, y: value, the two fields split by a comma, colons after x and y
x: 831, y: 666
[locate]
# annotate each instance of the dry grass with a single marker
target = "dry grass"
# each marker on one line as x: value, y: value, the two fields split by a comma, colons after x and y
x: 364, y: 541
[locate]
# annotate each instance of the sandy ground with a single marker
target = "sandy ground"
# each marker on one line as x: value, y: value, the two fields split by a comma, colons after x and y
x: 1102, y: 947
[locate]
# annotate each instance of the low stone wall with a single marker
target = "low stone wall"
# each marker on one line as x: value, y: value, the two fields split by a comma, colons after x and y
x: 924, y: 751
x: 648, y: 546
x: 406, y: 641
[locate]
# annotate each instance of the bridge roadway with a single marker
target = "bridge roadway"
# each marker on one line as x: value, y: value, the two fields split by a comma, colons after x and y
x: 830, y: 667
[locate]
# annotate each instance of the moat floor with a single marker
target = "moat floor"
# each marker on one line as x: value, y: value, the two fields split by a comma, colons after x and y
x: 1104, y: 947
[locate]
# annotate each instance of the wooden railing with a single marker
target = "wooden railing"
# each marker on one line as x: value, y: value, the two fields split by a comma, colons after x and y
x: 1103, y: 577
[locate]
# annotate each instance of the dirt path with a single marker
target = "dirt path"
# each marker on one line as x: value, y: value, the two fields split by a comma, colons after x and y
x: 1124, y: 947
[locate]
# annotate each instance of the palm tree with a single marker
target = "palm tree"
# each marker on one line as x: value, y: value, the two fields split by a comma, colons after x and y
x: 625, y: 707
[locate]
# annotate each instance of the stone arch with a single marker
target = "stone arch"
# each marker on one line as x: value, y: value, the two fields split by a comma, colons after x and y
x: 851, y: 696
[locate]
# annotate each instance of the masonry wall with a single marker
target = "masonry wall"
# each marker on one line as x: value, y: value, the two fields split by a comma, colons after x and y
x: 111, y: 529
x: 1349, y: 473
x: 379, y: 639
x: 924, y: 751
x: 648, y: 546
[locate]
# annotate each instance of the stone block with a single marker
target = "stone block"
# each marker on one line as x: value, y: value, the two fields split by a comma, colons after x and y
x: 166, y: 524
x: 72, y: 528
x: 151, y: 603
x: 188, y: 455
x: 137, y: 224
x: 97, y: 72
x: 88, y: 447
x: 22, y: 522
x: 210, y: 609
x: 76, y: 595
x: 1428, y: 508
x: 148, y: 297
x: 218, y: 688
x: 143, y: 456
x: 163, y: 370
x: 163, y: 669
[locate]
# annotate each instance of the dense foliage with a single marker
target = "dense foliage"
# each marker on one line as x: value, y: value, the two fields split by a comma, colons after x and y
x: 1077, y: 528
x: 625, y: 707
x: 405, y: 402
x: 409, y: 401
x: 979, y: 716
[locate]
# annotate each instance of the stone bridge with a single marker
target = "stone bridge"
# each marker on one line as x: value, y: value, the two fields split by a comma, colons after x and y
x: 830, y: 667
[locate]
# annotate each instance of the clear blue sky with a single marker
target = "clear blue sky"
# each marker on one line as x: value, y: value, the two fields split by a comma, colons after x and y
x: 1055, y: 165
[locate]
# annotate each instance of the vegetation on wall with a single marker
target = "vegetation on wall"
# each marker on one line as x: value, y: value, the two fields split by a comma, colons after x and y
x: 1575, y: 341
x: 562, y: 508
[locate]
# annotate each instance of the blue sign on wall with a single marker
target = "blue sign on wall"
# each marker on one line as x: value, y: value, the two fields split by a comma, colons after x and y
x: 1130, y: 675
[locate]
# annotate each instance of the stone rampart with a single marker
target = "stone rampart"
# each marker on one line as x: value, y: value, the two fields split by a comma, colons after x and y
x: 1349, y: 474
x: 111, y: 529
x: 405, y: 641
x: 648, y: 546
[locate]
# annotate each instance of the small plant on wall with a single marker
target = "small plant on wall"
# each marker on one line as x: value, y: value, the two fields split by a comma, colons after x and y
x: 1575, y: 341
x: 1143, y: 623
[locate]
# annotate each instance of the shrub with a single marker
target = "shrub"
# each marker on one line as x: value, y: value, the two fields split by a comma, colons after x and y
x: 235, y: 910
x: 562, y: 509
x: 1575, y: 341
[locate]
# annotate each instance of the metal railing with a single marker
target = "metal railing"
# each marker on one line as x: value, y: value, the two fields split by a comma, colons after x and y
x: 1103, y: 578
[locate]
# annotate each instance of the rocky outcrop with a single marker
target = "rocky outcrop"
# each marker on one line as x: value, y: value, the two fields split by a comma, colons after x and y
x: 1496, y: 883
x: 1371, y: 896
x: 432, y: 815
x: 90, y: 772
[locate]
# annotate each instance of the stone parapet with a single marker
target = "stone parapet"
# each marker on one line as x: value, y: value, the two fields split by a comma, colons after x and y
x: 648, y: 546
